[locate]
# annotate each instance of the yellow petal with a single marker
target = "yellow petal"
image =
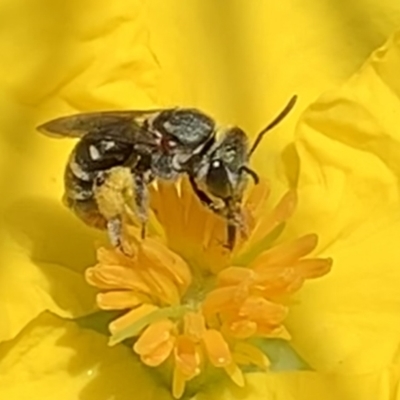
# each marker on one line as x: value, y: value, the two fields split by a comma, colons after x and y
x: 64, y: 69
x: 52, y: 358
x: 26, y: 290
x: 242, y: 56
x: 70, y: 67
x: 349, y: 147
x: 350, y: 321
x: 308, y: 385
x: 349, y: 150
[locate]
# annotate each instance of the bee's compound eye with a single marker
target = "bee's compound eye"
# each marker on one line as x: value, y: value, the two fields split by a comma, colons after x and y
x: 217, y: 180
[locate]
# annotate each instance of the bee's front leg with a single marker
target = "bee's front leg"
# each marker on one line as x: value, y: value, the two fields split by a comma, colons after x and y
x: 234, y: 217
x: 229, y: 210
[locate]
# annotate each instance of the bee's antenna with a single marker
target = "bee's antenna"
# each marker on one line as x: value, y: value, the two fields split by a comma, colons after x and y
x: 275, y: 122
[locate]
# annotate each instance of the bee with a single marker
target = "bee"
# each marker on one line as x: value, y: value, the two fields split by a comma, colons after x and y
x: 222, y: 169
x: 119, y: 153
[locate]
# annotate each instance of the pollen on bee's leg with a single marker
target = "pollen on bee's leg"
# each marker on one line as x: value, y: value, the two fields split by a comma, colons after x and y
x: 114, y: 228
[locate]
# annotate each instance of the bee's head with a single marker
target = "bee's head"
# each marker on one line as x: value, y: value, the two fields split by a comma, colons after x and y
x: 221, y: 169
x: 225, y: 168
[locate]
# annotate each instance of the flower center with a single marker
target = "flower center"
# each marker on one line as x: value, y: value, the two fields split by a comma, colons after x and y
x: 189, y: 300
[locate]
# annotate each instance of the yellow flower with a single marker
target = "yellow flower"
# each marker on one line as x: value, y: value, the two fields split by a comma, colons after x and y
x: 237, y: 63
x: 210, y: 306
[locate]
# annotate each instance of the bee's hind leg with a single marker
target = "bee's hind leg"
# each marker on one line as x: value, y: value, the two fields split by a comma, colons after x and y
x: 109, y: 191
x: 114, y: 229
x: 141, y: 198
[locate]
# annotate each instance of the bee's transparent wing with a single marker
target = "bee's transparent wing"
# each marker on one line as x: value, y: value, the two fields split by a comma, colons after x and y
x: 79, y: 125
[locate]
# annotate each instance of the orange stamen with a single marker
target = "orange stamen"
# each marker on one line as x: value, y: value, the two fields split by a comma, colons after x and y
x: 159, y: 354
x: 153, y: 336
x: 259, y: 309
x: 219, y: 300
x: 216, y: 348
x: 119, y: 300
x: 187, y: 357
x: 240, y: 329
